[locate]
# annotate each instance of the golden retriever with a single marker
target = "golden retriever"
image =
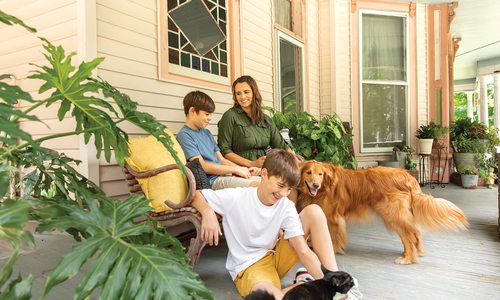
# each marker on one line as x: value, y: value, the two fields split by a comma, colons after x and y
x: 391, y: 193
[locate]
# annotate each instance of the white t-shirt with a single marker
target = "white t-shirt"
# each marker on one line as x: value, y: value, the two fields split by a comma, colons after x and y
x: 251, y: 228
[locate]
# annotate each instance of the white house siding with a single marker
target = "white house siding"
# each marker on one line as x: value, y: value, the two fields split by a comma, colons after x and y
x: 257, y: 45
x: 55, y: 20
x: 335, y: 59
x: 127, y: 38
x: 312, y: 57
x: 343, y: 65
x: 422, y: 89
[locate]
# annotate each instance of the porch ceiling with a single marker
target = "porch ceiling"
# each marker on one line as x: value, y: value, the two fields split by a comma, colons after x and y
x: 477, y: 23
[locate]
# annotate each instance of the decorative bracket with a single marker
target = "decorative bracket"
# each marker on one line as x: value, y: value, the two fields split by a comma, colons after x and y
x: 451, y: 11
x: 353, y: 6
x: 412, y: 9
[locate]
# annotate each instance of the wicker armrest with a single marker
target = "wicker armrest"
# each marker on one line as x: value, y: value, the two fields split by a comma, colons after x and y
x: 190, y: 182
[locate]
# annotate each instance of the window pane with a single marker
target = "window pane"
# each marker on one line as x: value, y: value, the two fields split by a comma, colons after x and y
x: 384, y: 47
x: 283, y: 13
x: 384, y: 115
x: 197, y: 24
x: 290, y: 76
x: 196, y: 35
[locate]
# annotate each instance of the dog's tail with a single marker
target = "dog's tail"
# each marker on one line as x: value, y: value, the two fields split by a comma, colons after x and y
x: 437, y: 213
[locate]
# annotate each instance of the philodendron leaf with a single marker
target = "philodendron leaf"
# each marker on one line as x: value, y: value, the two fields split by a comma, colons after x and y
x: 10, y: 20
x: 143, y: 120
x: 74, y: 91
x: 121, y: 268
x: 13, y: 216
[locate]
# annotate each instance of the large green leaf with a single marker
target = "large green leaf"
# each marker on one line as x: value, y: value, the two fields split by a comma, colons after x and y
x: 120, y: 267
x: 74, y: 92
x: 143, y: 120
x: 10, y: 20
x: 13, y: 216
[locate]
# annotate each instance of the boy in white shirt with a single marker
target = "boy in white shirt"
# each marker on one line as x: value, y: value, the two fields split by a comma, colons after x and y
x: 265, y: 234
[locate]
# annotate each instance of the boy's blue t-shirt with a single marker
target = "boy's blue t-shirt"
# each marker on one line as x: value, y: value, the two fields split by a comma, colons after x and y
x: 201, y: 143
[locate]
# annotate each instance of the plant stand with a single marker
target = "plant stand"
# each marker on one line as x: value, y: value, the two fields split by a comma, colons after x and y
x: 439, y: 161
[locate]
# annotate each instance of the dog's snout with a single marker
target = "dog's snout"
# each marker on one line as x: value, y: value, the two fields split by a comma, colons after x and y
x: 316, y: 185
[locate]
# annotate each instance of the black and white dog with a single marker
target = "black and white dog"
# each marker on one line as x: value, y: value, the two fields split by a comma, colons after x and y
x: 320, y: 289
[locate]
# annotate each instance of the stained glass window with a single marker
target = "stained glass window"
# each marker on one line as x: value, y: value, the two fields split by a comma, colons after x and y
x: 197, y: 35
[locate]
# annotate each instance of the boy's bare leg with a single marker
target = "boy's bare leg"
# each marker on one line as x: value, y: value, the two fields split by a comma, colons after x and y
x: 315, y: 225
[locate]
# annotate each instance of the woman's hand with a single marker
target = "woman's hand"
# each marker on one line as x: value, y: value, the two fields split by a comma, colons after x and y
x: 258, y: 162
x: 242, y: 172
x: 254, y: 171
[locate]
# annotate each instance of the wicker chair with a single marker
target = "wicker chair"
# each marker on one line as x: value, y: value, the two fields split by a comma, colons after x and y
x: 182, y: 214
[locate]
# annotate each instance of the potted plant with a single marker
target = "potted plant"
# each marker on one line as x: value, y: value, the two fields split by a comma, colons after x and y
x: 471, y: 141
x: 404, y: 155
x: 425, y: 136
x: 469, y: 176
x: 440, y: 132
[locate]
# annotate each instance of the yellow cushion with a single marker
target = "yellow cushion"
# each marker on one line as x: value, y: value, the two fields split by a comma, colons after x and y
x: 147, y: 154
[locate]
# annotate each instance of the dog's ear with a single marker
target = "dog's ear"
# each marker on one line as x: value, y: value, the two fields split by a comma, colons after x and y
x: 328, y: 176
x: 341, y: 281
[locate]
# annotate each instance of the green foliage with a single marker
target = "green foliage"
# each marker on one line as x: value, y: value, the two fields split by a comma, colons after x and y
x: 13, y: 216
x: 425, y: 131
x: 467, y: 170
x: 120, y: 266
x: 126, y: 260
x: 473, y: 137
x: 431, y: 131
x: 410, y: 164
x: 323, y: 139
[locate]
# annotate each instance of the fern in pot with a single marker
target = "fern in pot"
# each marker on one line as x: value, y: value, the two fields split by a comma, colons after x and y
x: 425, y: 136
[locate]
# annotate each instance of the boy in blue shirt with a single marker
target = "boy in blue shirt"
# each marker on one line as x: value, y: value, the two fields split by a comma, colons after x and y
x: 198, y: 142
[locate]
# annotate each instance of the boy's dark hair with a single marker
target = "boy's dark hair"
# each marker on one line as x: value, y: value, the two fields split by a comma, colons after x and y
x: 282, y: 164
x: 198, y: 100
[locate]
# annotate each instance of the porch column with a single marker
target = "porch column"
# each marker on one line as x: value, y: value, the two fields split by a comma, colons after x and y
x: 496, y: 95
x: 483, y: 98
x: 470, y: 105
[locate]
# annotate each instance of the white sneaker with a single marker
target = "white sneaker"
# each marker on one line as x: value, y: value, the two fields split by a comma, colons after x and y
x: 302, y: 275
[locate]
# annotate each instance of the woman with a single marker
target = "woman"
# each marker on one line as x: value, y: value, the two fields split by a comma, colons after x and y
x: 245, y: 132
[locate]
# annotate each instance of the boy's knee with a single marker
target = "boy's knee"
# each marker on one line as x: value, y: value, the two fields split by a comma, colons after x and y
x: 314, y: 211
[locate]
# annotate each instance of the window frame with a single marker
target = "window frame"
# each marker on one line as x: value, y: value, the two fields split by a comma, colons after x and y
x: 299, y: 43
x: 176, y: 73
x: 361, y: 81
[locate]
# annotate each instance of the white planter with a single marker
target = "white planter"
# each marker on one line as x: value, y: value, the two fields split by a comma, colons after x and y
x: 425, y: 146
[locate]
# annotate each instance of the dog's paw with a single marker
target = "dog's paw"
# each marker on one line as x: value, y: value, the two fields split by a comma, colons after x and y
x: 404, y: 261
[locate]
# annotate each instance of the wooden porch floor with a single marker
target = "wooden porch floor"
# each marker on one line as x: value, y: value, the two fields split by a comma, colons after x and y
x: 464, y: 265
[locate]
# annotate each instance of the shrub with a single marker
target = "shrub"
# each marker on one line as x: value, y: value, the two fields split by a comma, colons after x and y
x: 323, y: 139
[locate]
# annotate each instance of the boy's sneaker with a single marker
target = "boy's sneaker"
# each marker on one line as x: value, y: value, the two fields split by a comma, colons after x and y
x: 302, y: 276
x: 353, y: 294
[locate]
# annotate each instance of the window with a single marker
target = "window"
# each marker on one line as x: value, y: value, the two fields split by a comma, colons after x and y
x: 290, y: 73
x: 290, y: 55
x: 383, y: 80
x: 194, y: 39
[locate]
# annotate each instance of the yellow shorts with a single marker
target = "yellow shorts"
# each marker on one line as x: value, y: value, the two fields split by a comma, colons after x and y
x: 271, y: 268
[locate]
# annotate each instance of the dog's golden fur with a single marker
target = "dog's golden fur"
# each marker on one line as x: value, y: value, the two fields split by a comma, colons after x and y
x: 391, y: 193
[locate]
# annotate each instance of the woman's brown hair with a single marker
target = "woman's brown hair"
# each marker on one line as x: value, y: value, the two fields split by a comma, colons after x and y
x: 256, y: 114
